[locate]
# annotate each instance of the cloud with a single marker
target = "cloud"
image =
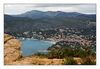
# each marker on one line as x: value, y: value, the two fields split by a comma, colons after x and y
x: 21, y: 8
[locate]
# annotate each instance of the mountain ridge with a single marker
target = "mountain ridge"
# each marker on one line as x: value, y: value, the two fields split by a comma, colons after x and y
x: 46, y: 20
x: 40, y: 14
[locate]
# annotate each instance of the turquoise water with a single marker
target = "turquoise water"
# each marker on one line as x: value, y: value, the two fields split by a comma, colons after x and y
x: 30, y: 47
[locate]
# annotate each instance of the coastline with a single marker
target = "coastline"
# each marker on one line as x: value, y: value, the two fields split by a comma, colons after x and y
x: 52, y: 41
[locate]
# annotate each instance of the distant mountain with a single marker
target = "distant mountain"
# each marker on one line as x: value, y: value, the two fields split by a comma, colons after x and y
x: 35, y: 20
x: 32, y: 14
x: 39, y: 14
x: 91, y: 17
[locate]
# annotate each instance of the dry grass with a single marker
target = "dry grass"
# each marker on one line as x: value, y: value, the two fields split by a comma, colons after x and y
x: 35, y: 60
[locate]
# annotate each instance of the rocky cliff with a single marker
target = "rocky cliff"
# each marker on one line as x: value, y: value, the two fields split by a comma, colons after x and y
x: 11, y: 49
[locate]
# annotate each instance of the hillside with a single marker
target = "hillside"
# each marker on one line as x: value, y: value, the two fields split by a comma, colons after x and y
x: 36, y: 20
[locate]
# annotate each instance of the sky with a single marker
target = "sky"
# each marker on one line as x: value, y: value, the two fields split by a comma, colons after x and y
x: 14, y: 9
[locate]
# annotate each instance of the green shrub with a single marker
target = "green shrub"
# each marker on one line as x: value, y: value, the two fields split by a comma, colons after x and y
x: 55, y: 54
x: 40, y: 54
x: 69, y: 61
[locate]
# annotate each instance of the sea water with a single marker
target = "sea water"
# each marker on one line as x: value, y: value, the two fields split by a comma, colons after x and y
x: 29, y: 47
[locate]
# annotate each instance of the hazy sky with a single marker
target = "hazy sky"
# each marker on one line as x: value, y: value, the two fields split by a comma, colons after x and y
x: 14, y: 9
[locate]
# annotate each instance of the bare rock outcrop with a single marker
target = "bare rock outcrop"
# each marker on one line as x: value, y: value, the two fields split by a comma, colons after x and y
x: 11, y: 49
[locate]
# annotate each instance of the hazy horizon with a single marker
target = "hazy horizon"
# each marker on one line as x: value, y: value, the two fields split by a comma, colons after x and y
x: 15, y: 9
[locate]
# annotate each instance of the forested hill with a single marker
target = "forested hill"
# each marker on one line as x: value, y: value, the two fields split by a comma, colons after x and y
x: 36, y: 20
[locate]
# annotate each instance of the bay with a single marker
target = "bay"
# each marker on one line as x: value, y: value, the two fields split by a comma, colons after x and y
x: 29, y: 47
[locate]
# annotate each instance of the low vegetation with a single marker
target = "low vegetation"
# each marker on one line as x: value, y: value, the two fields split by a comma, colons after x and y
x: 69, y: 61
x: 88, y: 61
x: 84, y: 56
